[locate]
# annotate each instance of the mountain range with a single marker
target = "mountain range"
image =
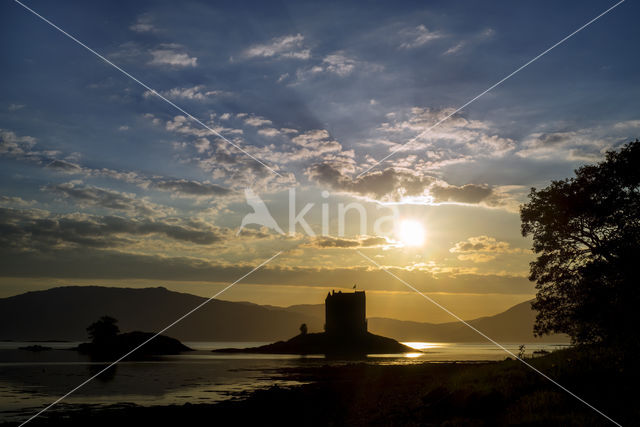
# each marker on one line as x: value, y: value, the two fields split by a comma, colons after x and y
x: 63, y: 313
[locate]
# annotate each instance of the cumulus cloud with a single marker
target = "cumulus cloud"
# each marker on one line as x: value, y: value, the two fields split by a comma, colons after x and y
x: 289, y: 46
x: 183, y: 125
x: 389, y: 184
x: 21, y: 147
x: 41, y: 231
x: 65, y: 166
x: 197, y: 93
x: 418, y: 36
x: 339, y: 64
x: 144, y: 24
x: 587, y: 144
x: 330, y: 242
x: 257, y: 121
x: 482, y: 249
x: 468, y: 193
x: 172, y: 55
x: 395, y: 185
x: 12, y: 144
x: 189, y: 188
x: 441, y: 138
x: 106, y: 198
x: 270, y: 132
x: 317, y: 139
x: 315, y: 143
x: 16, y: 201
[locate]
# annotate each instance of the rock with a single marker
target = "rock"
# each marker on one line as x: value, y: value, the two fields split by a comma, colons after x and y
x: 331, y: 346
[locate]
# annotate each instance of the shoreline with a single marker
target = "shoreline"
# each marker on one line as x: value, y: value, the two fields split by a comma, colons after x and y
x: 360, y: 393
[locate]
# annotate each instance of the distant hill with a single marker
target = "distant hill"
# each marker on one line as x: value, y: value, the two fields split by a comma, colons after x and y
x: 63, y: 314
x: 514, y: 325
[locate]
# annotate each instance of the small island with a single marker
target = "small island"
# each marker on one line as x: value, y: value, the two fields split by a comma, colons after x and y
x: 345, y: 333
x: 108, y: 343
x: 35, y: 348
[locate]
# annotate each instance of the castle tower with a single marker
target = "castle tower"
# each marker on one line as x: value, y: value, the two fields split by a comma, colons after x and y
x: 345, y: 314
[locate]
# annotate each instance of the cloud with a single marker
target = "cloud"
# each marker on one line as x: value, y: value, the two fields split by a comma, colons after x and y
x: 33, y: 230
x: 21, y: 147
x: 380, y: 185
x: 110, y: 199
x: 183, y: 125
x: 317, y: 139
x: 455, y: 48
x: 270, y: 132
x: 418, y: 36
x: 472, y: 41
x: 16, y: 201
x: 315, y: 143
x: 586, y: 145
x: 329, y: 242
x: 65, y: 166
x: 144, y: 24
x: 197, y: 93
x: 395, y: 185
x: 440, y: 138
x: 95, y: 263
x: 188, y: 188
x: 257, y: 121
x: 172, y: 55
x: 289, y: 46
x: 339, y: 64
x: 469, y: 193
x: 14, y: 145
x: 627, y: 124
x: 15, y: 107
x: 480, y: 249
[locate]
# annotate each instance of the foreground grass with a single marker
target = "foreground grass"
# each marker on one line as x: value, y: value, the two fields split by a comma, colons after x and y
x: 447, y: 394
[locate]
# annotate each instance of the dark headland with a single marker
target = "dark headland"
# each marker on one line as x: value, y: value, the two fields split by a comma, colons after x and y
x: 345, y: 333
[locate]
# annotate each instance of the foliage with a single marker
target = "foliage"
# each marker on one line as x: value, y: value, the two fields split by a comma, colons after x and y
x: 521, y: 351
x: 586, y: 234
x: 103, y: 330
x: 303, y: 329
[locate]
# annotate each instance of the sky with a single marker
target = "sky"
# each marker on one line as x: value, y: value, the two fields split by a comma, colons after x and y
x: 103, y: 181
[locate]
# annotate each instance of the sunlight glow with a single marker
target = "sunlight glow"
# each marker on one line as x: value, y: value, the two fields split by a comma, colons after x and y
x: 419, y: 345
x: 411, y: 233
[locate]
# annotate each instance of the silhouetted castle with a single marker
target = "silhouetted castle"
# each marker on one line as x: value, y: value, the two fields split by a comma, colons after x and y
x: 345, y: 333
x: 345, y: 314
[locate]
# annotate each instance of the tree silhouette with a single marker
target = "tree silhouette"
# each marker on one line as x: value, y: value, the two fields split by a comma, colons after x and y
x: 586, y: 234
x: 103, y: 330
x: 303, y: 329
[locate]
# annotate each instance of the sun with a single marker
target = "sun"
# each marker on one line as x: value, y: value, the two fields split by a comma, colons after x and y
x: 411, y: 232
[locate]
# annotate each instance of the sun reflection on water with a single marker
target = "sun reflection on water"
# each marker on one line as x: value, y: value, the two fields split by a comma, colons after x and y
x: 422, y: 346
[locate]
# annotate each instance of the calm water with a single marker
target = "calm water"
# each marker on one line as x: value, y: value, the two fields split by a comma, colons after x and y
x: 31, y: 380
